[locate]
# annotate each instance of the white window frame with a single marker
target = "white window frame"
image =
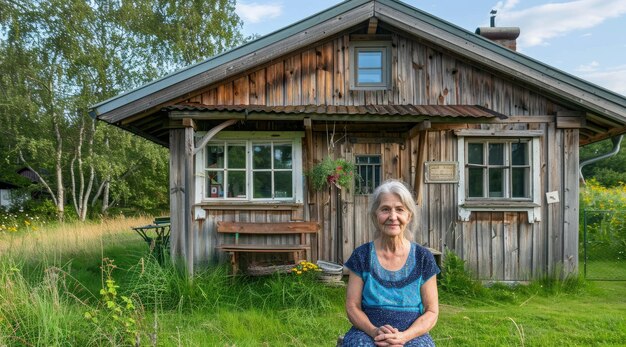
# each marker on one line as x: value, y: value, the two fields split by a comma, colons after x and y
x: 250, y: 138
x: 370, y: 46
x: 531, y: 205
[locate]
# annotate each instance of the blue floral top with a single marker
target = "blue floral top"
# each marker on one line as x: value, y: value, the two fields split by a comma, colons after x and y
x: 392, y: 290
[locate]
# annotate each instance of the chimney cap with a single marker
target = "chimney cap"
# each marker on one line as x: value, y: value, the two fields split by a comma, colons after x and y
x: 499, y: 33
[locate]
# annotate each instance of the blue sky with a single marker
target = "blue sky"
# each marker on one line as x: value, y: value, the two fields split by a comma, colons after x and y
x: 585, y: 38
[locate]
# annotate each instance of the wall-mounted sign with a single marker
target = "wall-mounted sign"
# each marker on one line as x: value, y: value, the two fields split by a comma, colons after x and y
x: 441, y: 172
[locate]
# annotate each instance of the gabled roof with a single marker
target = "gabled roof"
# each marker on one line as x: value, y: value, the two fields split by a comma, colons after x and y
x: 591, y: 99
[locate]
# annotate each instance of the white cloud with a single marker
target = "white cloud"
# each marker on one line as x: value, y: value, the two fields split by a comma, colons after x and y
x: 591, y: 67
x: 611, y: 78
x: 506, y: 5
x: 255, y: 12
x: 541, y: 23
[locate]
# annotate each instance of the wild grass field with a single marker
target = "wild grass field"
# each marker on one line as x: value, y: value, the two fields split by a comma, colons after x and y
x: 95, y: 285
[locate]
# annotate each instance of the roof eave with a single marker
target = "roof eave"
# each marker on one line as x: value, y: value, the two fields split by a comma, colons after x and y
x: 467, y: 44
x: 506, y: 61
x: 329, y: 21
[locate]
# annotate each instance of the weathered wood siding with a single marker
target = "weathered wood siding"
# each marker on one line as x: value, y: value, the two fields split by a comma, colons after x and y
x: 496, y: 245
x: 208, y: 238
x: 424, y: 76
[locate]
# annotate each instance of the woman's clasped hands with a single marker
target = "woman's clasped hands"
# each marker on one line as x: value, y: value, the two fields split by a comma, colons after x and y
x: 387, y: 335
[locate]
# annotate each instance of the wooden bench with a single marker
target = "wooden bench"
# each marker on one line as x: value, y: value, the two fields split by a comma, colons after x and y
x: 265, y: 229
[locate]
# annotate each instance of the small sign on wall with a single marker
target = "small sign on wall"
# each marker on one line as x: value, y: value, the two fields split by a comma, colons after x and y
x: 552, y: 197
x: 441, y: 172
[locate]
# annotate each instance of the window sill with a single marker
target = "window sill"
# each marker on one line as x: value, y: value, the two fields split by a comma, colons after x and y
x: 499, y: 204
x: 531, y: 208
x: 247, y: 205
x: 370, y: 88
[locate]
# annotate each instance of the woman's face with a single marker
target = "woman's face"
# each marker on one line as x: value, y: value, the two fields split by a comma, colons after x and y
x: 392, y: 215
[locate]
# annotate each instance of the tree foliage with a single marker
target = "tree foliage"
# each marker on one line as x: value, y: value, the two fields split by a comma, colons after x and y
x: 59, y: 57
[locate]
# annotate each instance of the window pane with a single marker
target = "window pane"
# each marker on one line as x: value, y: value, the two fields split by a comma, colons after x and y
x: 262, y: 156
x: 370, y: 76
x: 520, y: 182
x: 368, y: 159
x: 282, y: 157
x: 475, y: 153
x: 496, y: 184
x: 236, y: 157
x: 370, y: 60
x: 262, y: 185
x: 283, y: 185
x: 519, y: 153
x: 215, y: 184
x: 475, y: 183
x: 215, y: 156
x: 237, y: 184
x: 496, y: 154
x: 368, y: 173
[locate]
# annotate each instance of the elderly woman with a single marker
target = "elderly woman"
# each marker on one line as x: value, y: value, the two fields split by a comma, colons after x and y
x: 392, y: 291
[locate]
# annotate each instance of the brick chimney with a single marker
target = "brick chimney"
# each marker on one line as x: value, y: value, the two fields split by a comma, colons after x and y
x: 505, y: 36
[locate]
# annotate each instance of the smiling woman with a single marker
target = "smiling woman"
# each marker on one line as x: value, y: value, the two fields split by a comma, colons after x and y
x: 392, y: 291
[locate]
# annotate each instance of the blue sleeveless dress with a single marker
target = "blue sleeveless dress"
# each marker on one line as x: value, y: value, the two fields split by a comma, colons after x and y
x: 391, y: 297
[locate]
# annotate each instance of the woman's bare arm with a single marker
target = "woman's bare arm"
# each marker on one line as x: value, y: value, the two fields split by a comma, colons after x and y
x: 353, y: 306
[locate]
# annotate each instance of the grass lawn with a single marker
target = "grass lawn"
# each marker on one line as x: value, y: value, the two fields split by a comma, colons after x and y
x: 592, y: 316
x: 51, y: 278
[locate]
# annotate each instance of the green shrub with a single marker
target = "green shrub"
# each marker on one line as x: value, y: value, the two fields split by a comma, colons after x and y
x: 455, y: 279
x: 117, y: 321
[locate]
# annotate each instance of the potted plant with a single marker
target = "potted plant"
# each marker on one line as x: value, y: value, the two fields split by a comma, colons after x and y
x: 328, y: 172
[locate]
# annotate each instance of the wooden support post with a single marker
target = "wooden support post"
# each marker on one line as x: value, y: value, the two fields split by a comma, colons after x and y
x: 189, y: 185
x: 177, y: 195
x: 422, y: 148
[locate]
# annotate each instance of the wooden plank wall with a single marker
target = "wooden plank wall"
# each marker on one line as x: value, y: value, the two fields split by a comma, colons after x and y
x: 207, y: 238
x: 504, y: 245
x: 498, y: 245
x: 425, y: 76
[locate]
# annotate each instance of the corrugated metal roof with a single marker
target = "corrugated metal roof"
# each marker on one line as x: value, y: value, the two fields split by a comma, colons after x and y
x: 473, y: 111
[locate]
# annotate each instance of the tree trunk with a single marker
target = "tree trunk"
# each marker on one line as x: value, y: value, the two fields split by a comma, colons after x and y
x: 58, y: 166
x: 105, y: 199
x: 81, y: 200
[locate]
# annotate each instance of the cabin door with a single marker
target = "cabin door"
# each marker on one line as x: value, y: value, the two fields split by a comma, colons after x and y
x: 356, y: 227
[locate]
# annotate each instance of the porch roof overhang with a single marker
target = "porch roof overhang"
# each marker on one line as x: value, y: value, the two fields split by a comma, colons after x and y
x: 156, y: 126
x: 372, y: 113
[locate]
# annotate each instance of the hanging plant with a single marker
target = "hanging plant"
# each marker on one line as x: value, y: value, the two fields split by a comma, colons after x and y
x: 337, y: 172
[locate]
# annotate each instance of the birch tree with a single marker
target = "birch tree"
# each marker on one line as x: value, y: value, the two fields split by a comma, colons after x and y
x: 61, y: 56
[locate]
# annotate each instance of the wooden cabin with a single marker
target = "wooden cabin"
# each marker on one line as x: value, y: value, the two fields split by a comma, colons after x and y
x: 486, y: 137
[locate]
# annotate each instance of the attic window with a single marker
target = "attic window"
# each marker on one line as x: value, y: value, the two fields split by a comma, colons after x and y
x: 371, y: 65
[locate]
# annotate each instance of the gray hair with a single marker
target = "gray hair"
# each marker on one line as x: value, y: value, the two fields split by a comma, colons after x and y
x: 400, y: 189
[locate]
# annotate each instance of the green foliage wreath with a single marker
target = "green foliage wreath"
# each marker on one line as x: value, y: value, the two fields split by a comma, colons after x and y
x: 338, y: 172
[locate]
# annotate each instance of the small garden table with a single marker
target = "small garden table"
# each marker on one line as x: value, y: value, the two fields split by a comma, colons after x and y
x: 158, y: 238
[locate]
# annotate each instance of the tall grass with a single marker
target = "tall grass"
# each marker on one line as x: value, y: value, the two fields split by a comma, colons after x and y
x: 53, y: 283
x: 60, y: 239
x: 40, y: 312
x: 65, y: 294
